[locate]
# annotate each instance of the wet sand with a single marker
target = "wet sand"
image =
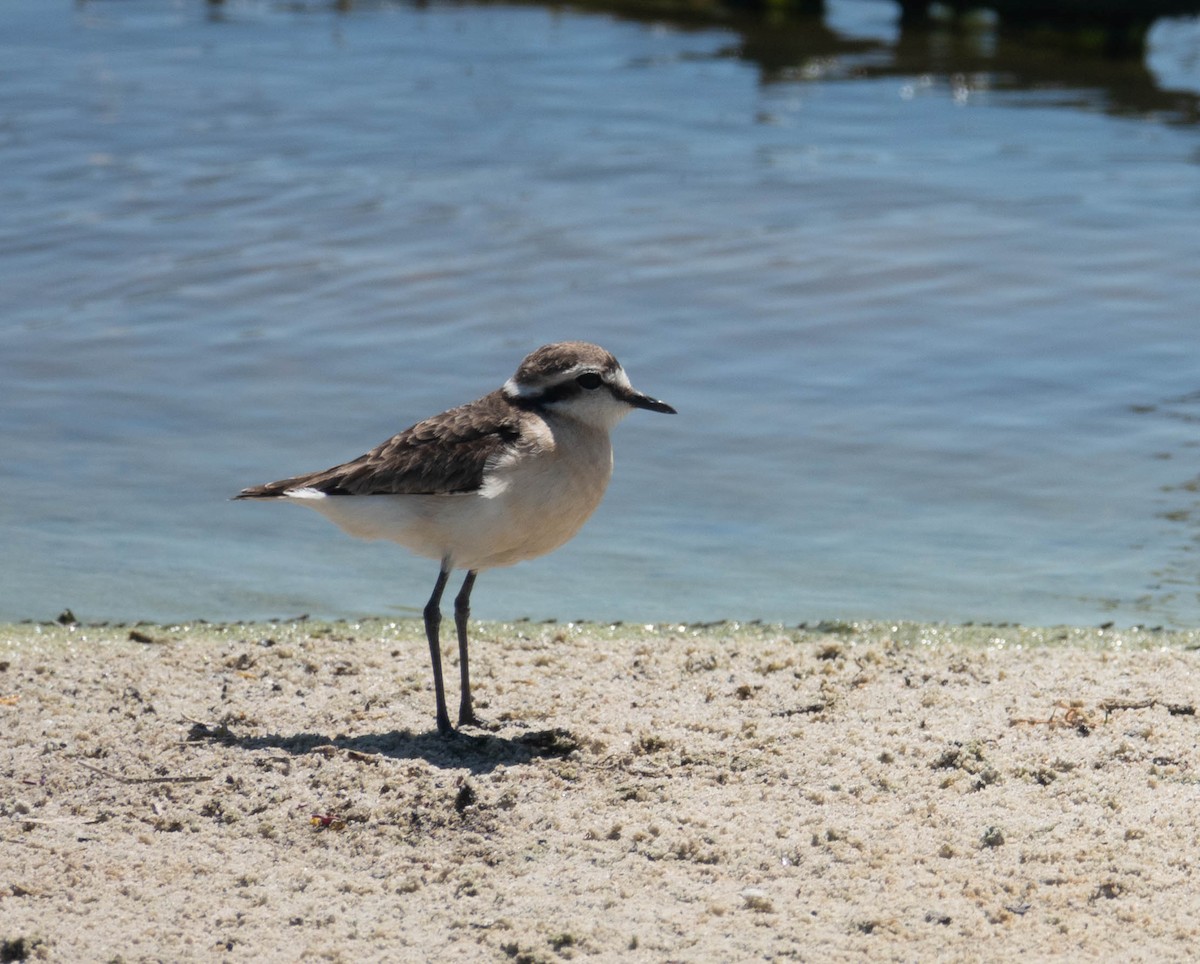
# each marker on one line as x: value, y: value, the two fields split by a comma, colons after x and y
x: 275, y: 792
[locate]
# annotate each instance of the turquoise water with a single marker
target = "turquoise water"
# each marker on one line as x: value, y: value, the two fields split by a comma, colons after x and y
x: 927, y: 303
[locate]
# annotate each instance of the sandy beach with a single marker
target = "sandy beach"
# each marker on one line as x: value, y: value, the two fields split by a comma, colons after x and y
x: 277, y: 792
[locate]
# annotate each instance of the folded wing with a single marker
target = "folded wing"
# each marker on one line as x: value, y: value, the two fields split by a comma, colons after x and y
x: 445, y: 454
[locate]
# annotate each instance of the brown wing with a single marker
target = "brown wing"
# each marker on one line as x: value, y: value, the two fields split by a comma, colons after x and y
x: 443, y: 454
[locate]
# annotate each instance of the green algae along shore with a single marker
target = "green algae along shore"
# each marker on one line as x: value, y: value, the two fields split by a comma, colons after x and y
x: 277, y: 792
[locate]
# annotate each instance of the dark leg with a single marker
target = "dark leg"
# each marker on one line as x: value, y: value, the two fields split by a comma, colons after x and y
x: 462, y: 612
x: 433, y: 621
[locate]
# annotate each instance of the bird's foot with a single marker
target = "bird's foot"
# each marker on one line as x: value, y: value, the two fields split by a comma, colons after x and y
x: 470, y: 719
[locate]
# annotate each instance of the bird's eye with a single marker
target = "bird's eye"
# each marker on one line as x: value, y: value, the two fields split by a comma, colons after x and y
x: 589, y: 380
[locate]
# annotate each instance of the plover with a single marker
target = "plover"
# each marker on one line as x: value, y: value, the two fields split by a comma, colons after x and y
x: 508, y: 477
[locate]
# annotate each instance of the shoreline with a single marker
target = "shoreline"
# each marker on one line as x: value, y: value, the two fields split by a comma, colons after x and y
x: 969, y: 632
x: 273, y: 791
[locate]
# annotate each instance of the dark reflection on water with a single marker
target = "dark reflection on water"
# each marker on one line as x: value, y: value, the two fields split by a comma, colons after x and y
x: 969, y: 52
x: 925, y: 300
x: 972, y: 54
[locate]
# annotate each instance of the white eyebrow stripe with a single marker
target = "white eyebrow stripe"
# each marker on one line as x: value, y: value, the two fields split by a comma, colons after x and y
x: 620, y: 379
x: 515, y: 389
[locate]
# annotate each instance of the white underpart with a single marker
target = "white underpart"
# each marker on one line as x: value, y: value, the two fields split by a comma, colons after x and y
x: 305, y: 494
x: 530, y: 503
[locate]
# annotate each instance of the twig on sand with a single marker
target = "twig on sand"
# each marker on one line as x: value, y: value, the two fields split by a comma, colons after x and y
x: 1075, y: 716
x: 1072, y: 719
x: 1175, y: 709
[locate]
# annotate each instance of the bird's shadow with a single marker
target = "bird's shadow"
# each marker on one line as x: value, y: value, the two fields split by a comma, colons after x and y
x: 478, y: 753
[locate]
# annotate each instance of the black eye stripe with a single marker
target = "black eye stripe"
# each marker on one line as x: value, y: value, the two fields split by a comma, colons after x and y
x: 571, y: 388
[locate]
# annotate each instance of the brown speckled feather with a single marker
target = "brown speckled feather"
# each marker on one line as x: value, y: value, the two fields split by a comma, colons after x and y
x: 444, y: 454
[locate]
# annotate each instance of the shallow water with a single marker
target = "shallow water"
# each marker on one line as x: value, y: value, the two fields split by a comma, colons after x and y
x: 927, y: 305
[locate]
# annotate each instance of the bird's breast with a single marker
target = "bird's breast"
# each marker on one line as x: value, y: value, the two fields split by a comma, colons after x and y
x: 540, y: 497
